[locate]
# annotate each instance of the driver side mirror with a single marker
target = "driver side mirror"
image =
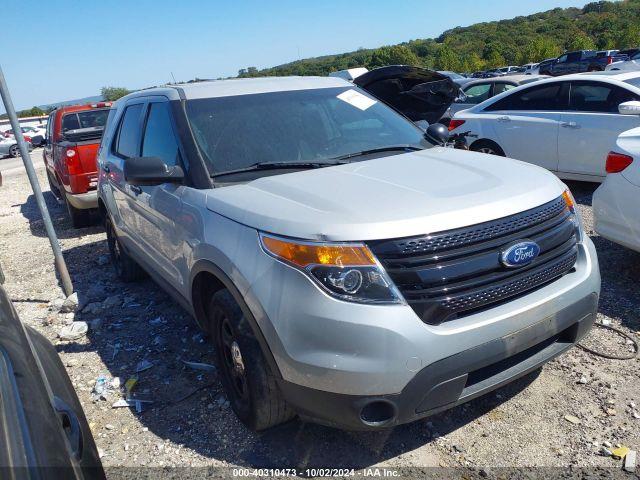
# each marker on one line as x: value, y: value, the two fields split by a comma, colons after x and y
x: 437, y: 134
x: 629, y: 108
x: 150, y: 171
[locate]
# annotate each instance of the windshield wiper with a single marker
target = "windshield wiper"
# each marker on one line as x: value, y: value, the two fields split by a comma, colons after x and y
x: 279, y: 165
x: 392, y: 148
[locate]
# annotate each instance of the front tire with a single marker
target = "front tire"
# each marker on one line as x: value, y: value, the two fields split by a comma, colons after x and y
x: 14, y: 151
x: 247, y: 380
x: 126, y: 268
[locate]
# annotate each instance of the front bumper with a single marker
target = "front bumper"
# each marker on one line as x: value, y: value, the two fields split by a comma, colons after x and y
x: 452, y: 380
x: 334, y: 357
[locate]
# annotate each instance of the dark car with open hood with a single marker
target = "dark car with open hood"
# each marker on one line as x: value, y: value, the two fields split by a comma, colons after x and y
x: 418, y: 93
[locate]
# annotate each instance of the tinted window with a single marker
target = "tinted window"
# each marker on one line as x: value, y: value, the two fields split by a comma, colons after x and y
x: 477, y: 93
x: 70, y: 122
x: 86, y: 119
x: 598, y: 97
x: 502, y: 87
x: 129, y: 134
x: 159, y: 139
x: 93, y: 118
x: 633, y: 81
x: 542, y: 97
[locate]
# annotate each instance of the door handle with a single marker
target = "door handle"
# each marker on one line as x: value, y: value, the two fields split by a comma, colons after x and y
x: 569, y: 125
x: 504, y: 119
x: 135, y: 189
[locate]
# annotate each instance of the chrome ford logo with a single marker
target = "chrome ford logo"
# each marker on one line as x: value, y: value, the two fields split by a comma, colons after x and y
x: 519, y: 254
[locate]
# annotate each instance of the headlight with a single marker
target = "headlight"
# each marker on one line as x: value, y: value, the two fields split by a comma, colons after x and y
x: 348, y: 271
x: 571, y: 206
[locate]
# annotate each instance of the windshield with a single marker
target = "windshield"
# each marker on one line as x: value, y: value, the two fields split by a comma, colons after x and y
x: 292, y: 127
x: 635, y: 81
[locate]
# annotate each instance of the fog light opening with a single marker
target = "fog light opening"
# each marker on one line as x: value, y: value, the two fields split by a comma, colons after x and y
x: 378, y: 413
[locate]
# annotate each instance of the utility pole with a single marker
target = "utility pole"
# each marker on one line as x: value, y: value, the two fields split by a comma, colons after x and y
x: 61, y: 266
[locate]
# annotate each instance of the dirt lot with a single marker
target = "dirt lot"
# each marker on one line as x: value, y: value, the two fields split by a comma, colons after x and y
x: 520, y: 425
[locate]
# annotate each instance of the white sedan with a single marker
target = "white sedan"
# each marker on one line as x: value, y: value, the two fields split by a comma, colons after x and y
x: 631, y: 65
x: 565, y: 124
x: 615, y: 202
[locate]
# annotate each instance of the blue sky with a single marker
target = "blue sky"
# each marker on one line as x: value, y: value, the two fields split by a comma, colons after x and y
x: 62, y: 49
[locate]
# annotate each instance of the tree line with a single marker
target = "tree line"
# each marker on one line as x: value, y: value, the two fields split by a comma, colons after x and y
x: 598, y: 25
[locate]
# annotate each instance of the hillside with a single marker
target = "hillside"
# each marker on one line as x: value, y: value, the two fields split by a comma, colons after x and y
x: 601, y: 25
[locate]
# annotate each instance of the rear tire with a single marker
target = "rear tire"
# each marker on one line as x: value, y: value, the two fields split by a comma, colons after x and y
x: 487, y: 146
x: 126, y: 268
x: 14, y: 151
x: 245, y: 374
x: 79, y: 218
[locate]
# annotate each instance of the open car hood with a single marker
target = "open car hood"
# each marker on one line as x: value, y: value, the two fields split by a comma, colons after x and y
x: 417, y: 93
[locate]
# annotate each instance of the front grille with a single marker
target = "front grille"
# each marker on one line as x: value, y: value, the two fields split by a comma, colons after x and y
x: 448, y: 275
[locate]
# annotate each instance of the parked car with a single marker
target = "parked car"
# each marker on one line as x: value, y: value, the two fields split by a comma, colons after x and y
x: 420, y: 94
x: 9, y: 146
x: 477, y: 91
x: 530, y: 68
x: 328, y: 251
x: 512, y: 69
x: 544, y: 67
x: 632, y: 64
x: 34, y: 135
x: 452, y: 75
x: 566, y: 125
x: 45, y: 434
x: 582, y: 61
x: 71, y: 147
x: 615, y: 202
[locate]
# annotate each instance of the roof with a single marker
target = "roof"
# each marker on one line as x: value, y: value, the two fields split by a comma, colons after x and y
x: 247, y: 86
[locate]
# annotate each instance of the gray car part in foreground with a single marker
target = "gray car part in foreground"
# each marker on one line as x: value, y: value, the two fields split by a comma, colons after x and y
x: 438, y: 223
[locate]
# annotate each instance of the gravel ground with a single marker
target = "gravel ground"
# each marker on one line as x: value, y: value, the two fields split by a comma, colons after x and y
x: 190, y: 422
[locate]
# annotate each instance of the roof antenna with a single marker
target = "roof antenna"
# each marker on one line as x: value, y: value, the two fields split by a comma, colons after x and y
x: 174, y: 78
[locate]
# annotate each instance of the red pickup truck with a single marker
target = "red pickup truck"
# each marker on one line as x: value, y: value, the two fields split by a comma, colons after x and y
x: 70, y: 151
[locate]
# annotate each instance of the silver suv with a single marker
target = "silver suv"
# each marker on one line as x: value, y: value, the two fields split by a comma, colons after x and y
x: 346, y: 270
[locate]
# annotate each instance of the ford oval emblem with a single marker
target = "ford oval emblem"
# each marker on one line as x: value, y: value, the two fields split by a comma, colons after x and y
x: 519, y: 254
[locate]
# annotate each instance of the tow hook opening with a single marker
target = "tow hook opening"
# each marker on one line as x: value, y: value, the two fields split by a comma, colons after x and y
x: 378, y: 413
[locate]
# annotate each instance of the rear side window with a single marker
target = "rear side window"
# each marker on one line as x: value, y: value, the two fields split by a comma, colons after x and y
x: 598, y: 97
x: 159, y: 139
x: 477, y: 93
x: 128, y: 140
x: 540, y: 98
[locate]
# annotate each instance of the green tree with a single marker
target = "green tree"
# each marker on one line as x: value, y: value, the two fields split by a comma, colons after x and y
x: 447, y: 59
x: 581, y: 42
x: 32, y: 112
x: 629, y: 36
x: 111, y: 94
x: 393, y: 55
x: 539, y: 49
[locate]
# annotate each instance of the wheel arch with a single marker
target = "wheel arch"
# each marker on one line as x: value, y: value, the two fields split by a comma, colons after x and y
x: 207, y: 279
x: 486, y: 141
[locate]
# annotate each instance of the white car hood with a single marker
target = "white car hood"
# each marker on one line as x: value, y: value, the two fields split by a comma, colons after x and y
x: 403, y: 195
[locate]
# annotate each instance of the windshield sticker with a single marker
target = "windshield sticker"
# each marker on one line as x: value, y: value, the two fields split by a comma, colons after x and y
x: 357, y: 99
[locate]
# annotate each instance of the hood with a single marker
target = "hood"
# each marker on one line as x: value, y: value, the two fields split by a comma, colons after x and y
x: 417, y: 93
x: 410, y: 194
